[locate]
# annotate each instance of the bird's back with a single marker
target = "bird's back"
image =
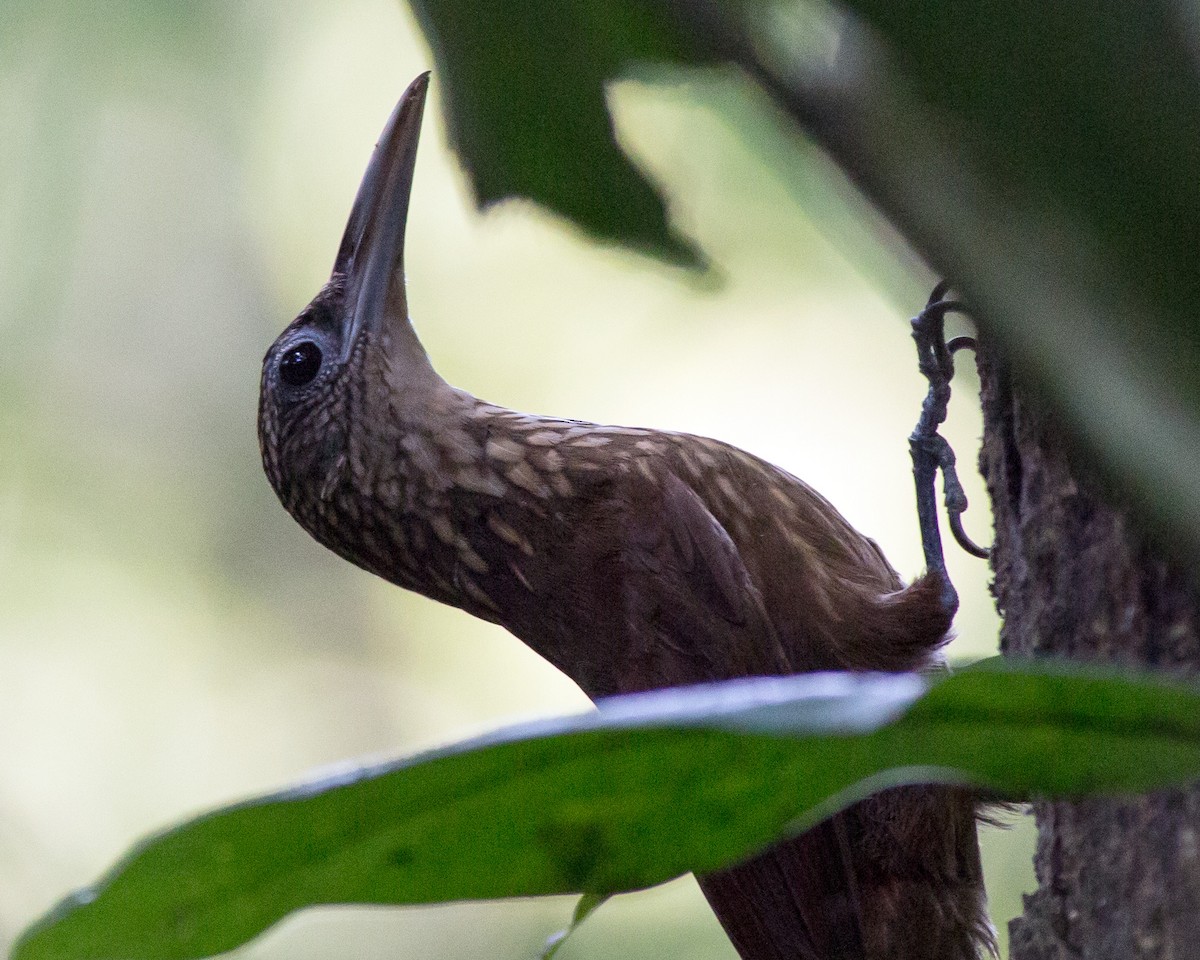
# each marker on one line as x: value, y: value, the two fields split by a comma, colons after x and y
x: 828, y: 590
x: 592, y: 511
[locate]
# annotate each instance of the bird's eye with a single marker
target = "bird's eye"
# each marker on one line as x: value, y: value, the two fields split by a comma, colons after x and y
x: 300, y: 363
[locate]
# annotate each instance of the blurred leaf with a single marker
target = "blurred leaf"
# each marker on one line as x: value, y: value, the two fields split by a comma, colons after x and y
x: 645, y: 788
x: 523, y: 89
x: 1044, y: 156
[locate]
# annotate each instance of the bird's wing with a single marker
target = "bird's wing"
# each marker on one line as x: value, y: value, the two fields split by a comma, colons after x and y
x: 694, y: 615
x: 691, y: 610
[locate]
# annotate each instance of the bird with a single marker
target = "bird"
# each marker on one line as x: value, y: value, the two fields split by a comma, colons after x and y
x: 631, y: 559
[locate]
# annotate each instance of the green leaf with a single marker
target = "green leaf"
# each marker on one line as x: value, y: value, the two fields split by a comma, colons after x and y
x: 645, y: 788
x: 522, y: 85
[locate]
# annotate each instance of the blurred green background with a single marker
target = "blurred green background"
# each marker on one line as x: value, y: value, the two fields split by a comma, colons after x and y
x: 173, y: 183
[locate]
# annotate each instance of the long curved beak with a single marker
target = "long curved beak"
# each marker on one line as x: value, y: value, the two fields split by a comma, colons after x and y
x: 371, y: 255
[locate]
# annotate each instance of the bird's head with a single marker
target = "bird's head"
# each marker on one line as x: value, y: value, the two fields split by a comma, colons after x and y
x: 351, y: 354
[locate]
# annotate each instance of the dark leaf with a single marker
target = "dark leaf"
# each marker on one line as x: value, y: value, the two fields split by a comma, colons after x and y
x: 1044, y: 157
x: 523, y: 90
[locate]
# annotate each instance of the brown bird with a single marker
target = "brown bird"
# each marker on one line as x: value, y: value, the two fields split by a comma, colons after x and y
x: 630, y: 559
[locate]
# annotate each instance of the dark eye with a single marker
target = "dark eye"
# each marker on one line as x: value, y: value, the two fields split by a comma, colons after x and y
x: 300, y: 363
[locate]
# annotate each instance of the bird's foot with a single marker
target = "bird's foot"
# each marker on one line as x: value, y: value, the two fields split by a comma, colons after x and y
x: 930, y: 450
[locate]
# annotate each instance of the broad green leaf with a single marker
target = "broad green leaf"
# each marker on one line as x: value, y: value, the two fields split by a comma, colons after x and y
x: 642, y: 789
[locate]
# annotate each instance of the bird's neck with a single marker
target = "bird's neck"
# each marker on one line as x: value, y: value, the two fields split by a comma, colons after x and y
x: 390, y: 501
x: 403, y: 362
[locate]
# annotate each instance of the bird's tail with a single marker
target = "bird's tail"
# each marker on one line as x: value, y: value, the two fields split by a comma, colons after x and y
x: 896, y: 877
x: 897, y: 631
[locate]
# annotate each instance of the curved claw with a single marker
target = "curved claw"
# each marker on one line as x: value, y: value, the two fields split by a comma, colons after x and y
x: 955, y: 515
x: 964, y: 539
x: 939, y: 291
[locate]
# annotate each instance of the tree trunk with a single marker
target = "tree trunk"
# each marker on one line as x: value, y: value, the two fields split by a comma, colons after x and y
x: 1118, y: 878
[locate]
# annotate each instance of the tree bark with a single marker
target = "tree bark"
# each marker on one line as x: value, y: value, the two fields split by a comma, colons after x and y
x: 1117, y: 878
